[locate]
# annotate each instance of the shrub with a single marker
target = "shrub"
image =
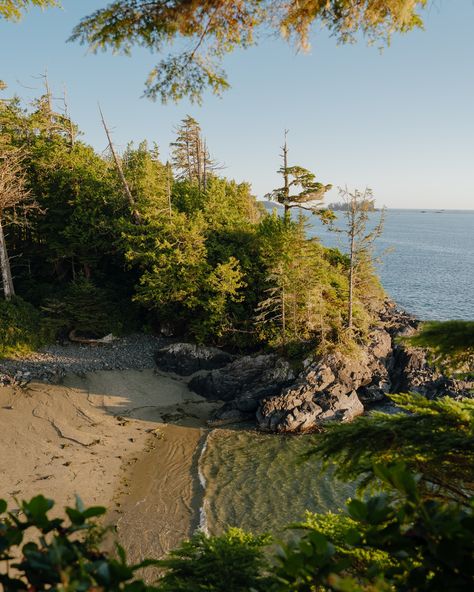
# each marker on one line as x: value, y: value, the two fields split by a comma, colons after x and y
x: 21, y: 328
x: 62, y: 555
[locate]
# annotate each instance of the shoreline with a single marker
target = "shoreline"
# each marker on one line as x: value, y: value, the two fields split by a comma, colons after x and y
x: 101, y: 435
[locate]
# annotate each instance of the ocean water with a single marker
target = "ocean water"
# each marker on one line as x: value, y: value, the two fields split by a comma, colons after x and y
x: 258, y: 481
x: 426, y: 260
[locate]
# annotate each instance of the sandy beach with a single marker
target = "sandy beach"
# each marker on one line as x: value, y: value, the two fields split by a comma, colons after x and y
x: 126, y: 439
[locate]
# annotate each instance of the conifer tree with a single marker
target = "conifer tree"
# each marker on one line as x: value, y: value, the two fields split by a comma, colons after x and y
x: 300, y: 189
x: 190, y: 156
x: 14, y: 198
x: 360, y: 239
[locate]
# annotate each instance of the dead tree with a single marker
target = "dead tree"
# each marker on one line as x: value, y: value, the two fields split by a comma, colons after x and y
x: 14, y: 199
x: 118, y: 166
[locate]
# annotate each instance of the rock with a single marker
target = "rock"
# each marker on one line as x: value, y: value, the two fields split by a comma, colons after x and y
x: 379, y: 362
x: 188, y: 358
x: 396, y: 321
x: 229, y: 414
x: 287, y: 413
x: 412, y: 373
x: 245, y: 381
x: 325, y: 391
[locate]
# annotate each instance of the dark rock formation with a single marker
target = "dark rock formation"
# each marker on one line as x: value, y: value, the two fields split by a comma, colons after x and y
x: 333, y: 387
x: 324, y: 391
x: 245, y: 381
x: 186, y: 358
x: 412, y: 373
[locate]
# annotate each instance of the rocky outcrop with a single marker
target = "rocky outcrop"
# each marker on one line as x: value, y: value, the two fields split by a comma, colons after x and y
x: 412, y: 373
x: 245, y: 381
x: 395, y: 320
x: 333, y: 387
x: 187, y: 358
x: 324, y: 391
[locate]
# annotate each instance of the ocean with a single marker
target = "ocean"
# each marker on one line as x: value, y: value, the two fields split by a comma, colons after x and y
x: 426, y: 259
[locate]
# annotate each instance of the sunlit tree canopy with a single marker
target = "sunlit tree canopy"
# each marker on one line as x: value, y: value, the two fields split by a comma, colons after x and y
x: 208, y: 29
x: 13, y: 9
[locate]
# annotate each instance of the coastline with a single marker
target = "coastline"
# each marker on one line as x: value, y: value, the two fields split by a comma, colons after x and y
x: 100, y: 435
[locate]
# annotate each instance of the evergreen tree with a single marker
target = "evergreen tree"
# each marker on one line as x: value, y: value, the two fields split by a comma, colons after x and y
x: 360, y: 240
x: 13, y: 9
x: 300, y: 189
x: 450, y: 343
x: 433, y: 438
x: 215, y: 28
x: 191, y: 159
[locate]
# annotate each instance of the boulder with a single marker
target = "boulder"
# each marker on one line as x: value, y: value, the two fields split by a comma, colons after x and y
x: 296, y: 411
x: 245, y: 381
x: 325, y: 391
x: 187, y: 358
x: 379, y: 363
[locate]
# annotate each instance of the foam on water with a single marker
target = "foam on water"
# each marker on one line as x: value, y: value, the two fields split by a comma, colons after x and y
x: 202, y: 480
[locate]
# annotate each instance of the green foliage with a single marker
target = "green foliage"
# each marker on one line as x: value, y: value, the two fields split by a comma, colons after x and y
x: 300, y: 188
x: 60, y: 555
x: 21, y: 327
x: 433, y: 438
x: 451, y: 344
x: 13, y: 9
x: 421, y: 544
x: 197, y: 254
x: 214, y: 29
x: 303, y: 304
x: 232, y: 562
x: 85, y: 309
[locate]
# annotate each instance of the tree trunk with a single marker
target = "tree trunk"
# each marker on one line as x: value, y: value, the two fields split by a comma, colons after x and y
x: 118, y: 166
x: 7, y: 280
x: 287, y: 216
x: 351, y: 272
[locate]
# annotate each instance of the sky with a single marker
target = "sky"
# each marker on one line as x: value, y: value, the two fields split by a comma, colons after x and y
x: 399, y: 121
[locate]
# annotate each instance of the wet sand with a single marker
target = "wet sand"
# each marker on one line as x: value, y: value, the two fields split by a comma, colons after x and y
x: 163, y: 503
x: 127, y: 440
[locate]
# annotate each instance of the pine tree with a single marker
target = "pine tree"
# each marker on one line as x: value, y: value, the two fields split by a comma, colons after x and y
x: 360, y: 239
x: 300, y: 189
x: 433, y: 438
x: 190, y: 156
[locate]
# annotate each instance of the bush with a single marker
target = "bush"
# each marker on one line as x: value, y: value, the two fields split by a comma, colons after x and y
x: 61, y: 555
x: 21, y: 328
x: 232, y: 562
x: 84, y: 308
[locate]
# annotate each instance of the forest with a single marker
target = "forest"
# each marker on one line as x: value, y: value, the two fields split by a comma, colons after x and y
x: 115, y: 243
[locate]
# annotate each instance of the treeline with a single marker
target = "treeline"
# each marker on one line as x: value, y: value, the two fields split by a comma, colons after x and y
x: 115, y: 243
x: 344, y: 206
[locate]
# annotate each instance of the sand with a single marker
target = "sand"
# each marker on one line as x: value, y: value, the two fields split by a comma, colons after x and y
x: 128, y: 440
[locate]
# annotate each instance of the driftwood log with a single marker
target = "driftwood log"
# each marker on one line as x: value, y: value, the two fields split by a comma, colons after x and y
x: 76, y: 339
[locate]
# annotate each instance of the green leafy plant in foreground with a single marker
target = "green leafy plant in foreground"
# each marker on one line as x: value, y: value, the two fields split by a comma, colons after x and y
x: 410, y: 543
x: 395, y: 541
x: 61, y: 555
x: 433, y: 438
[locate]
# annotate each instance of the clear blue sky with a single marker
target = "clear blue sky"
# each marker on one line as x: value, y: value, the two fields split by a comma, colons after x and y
x: 400, y: 122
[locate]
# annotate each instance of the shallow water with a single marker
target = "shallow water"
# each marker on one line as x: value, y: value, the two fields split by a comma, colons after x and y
x: 258, y: 482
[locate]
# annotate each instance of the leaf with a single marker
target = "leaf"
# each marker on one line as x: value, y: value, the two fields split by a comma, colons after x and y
x: 358, y: 510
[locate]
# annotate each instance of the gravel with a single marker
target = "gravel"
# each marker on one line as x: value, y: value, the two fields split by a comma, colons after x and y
x: 52, y: 363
